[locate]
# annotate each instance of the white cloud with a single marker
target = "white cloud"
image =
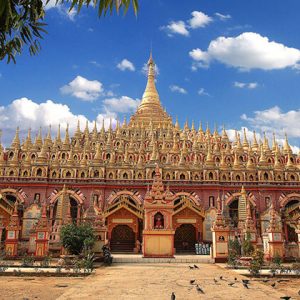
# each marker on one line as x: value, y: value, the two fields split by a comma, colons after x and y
x: 274, y: 119
x: 176, y: 27
x: 82, y: 88
x: 125, y: 64
x: 223, y: 17
x: 61, y: 8
x: 199, y: 19
x: 247, y: 51
x: 177, y: 89
x: 244, y: 85
x: 280, y: 139
x: 28, y: 114
x: 95, y: 63
x: 203, y: 92
x: 123, y: 104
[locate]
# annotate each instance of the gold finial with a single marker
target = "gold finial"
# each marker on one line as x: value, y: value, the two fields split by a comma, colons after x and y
x: 49, y: 133
x: 243, y: 191
x: 67, y: 137
x: 200, y: 130
x: 16, y: 140
x: 58, y: 138
x: 255, y: 145
x: 245, y: 141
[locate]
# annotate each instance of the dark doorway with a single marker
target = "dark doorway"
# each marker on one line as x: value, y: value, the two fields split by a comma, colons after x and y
x: 185, y: 238
x: 122, y: 239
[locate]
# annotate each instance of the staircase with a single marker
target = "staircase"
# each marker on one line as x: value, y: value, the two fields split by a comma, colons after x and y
x: 122, y: 246
x: 242, y: 209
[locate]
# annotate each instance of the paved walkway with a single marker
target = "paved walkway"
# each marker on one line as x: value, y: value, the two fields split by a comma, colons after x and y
x: 158, y: 281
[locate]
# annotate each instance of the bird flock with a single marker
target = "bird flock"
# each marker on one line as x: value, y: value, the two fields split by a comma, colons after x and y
x: 231, y: 283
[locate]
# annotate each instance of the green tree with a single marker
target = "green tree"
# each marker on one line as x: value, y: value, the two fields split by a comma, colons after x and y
x: 76, y: 238
x: 247, y: 245
x: 21, y: 21
x: 256, y: 262
x: 234, y: 252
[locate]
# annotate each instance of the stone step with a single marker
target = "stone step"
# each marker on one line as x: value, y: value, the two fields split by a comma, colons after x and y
x: 190, y: 259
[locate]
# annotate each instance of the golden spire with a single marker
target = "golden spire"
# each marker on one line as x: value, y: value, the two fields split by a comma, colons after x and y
x: 58, y: 138
x: 266, y: 143
x: 86, y: 130
x: 274, y: 143
x: 286, y: 146
x: 245, y: 141
x: 224, y: 135
x: 177, y: 127
x: 78, y: 132
x: 250, y: 164
x: 255, y: 145
x: 236, y: 164
x: 150, y: 94
x: 67, y: 138
x: 16, y: 140
x: 48, y: 139
x: 223, y: 164
x: 28, y: 142
x: 150, y: 107
x: 207, y: 132
x: 95, y: 132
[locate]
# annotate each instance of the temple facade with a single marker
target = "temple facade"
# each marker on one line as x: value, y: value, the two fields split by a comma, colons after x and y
x: 149, y: 185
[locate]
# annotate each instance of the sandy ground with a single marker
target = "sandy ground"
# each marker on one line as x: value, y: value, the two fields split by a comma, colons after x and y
x: 146, y: 281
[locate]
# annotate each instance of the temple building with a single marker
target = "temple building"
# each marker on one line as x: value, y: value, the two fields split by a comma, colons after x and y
x: 149, y: 185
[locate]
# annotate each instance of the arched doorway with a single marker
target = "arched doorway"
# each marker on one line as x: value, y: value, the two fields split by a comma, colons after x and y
x: 122, y: 239
x: 185, y: 238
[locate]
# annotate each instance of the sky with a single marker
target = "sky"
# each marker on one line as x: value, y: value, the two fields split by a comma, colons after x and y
x: 230, y: 62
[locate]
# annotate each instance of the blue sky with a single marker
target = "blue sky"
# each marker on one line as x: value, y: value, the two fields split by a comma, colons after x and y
x: 231, y: 62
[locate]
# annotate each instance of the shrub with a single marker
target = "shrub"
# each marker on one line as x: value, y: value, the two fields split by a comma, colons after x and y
x: 247, y: 245
x: 296, y: 268
x: 76, y: 238
x: 27, y: 261
x: 46, y: 261
x: 234, y: 250
x: 256, y: 262
x: 277, y: 260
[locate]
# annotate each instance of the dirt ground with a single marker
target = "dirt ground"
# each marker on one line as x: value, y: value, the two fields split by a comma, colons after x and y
x: 146, y: 281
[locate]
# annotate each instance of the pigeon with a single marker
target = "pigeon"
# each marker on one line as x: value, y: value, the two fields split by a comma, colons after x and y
x: 231, y: 283
x: 199, y: 289
x: 173, y: 297
x: 196, y: 267
x: 245, y: 285
x: 246, y: 281
x: 192, y: 281
x: 273, y: 284
x: 215, y: 280
x: 191, y: 267
x: 282, y: 280
x: 286, y: 297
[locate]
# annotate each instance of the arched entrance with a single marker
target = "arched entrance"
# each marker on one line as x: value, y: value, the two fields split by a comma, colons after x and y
x: 122, y: 239
x: 185, y: 238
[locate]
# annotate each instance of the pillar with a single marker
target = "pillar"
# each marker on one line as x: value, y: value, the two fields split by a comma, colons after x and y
x: 12, y: 234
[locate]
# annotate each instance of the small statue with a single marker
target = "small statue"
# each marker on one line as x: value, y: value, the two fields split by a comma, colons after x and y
x: 158, y: 222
